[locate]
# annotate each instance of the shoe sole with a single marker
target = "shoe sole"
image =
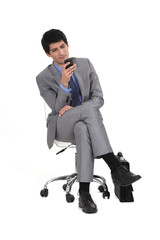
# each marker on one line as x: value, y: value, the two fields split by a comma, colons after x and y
x: 91, y: 211
x: 129, y: 183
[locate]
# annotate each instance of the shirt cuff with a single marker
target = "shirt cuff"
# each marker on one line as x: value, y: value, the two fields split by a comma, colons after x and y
x: 67, y: 90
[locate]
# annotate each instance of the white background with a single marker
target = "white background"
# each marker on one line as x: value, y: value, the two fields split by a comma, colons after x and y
x: 121, y: 38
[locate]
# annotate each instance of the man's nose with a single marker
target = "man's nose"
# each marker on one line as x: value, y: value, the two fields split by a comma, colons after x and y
x: 61, y: 52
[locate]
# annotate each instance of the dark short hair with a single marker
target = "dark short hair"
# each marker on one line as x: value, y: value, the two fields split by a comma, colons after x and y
x: 52, y: 36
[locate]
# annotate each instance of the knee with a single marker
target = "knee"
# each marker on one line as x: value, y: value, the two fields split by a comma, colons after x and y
x: 92, y: 111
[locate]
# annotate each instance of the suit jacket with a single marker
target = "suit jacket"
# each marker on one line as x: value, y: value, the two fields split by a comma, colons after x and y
x: 49, y: 85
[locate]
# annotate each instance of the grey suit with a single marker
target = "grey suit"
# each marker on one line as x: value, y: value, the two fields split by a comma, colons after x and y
x: 83, y: 124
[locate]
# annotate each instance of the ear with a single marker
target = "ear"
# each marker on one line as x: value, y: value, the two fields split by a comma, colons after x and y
x: 48, y: 54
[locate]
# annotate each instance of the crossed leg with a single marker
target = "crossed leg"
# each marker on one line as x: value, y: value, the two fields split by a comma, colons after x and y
x: 84, y: 126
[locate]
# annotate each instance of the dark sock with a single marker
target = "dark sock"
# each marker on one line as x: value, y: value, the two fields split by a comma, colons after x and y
x: 84, y: 187
x: 111, y: 161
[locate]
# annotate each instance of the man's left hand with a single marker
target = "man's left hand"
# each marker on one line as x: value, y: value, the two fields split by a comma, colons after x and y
x: 64, y: 109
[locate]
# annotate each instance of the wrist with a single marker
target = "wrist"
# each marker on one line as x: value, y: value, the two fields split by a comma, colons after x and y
x: 65, y: 84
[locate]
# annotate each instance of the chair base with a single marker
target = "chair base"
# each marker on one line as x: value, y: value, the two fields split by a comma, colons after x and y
x: 71, y: 179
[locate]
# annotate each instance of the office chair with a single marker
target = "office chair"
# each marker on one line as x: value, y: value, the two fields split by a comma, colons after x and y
x: 71, y: 179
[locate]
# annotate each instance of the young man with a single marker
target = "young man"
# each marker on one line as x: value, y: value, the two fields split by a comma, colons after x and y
x: 74, y: 94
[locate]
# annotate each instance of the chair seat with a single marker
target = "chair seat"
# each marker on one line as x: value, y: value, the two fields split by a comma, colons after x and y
x: 64, y: 144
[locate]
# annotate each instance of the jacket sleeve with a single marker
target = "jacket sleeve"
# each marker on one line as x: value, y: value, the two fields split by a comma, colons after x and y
x: 96, y: 95
x: 56, y: 100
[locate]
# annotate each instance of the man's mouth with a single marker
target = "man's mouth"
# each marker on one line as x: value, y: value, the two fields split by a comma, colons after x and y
x: 63, y: 57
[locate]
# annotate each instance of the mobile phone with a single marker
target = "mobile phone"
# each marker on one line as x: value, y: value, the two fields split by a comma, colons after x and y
x: 69, y: 60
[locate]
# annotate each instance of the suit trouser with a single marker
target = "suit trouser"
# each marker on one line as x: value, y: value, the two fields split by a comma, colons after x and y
x: 83, y: 126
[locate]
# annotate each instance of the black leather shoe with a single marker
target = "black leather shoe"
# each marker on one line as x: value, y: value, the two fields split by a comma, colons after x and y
x: 123, y: 176
x: 86, y: 203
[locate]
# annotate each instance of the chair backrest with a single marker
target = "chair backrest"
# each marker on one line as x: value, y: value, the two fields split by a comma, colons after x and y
x: 47, y: 110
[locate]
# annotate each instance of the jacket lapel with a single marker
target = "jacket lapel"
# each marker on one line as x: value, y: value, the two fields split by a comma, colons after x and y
x: 79, y: 80
x: 56, y: 74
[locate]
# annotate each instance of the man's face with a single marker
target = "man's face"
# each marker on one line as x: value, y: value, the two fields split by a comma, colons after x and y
x: 58, y: 52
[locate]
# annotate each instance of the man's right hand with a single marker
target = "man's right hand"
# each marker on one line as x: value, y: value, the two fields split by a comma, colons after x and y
x: 67, y: 73
x: 64, y: 109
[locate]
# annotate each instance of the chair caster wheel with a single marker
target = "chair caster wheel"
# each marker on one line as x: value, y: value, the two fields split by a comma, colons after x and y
x: 106, y: 194
x: 101, y: 188
x: 44, y: 192
x: 64, y: 187
x: 69, y: 198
